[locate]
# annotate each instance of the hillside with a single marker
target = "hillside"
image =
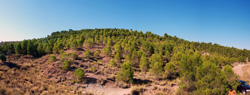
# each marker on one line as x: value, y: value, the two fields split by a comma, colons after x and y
x: 117, y: 62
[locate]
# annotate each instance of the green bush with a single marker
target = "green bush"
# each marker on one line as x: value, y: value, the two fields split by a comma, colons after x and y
x: 125, y: 74
x: 74, y: 56
x: 89, y: 43
x: 117, y: 57
x: 107, y: 51
x: 52, y: 58
x: 109, y: 43
x: 64, y: 57
x: 128, y: 57
x: 87, y: 54
x: 79, y: 75
x: 231, y: 76
x: 2, y: 57
x: 66, y: 65
x: 157, y: 70
x: 74, y: 44
x: 144, y: 64
x: 156, y: 58
x: 112, y: 63
x: 97, y: 54
x: 241, y: 59
x: 93, y: 69
x: 210, y: 80
x: 170, y: 70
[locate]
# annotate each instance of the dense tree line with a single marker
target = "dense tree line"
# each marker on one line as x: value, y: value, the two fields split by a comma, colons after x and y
x: 198, y: 65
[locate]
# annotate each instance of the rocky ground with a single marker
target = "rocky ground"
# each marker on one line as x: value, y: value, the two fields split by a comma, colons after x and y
x: 25, y: 75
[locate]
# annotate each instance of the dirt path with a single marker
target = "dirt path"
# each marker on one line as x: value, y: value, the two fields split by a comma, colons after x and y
x: 98, y: 89
x: 238, y: 69
x: 243, y: 70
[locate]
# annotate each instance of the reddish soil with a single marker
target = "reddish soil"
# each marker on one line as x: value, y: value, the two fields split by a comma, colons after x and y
x: 28, y: 75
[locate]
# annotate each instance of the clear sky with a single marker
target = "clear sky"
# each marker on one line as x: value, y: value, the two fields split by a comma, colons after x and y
x: 226, y: 22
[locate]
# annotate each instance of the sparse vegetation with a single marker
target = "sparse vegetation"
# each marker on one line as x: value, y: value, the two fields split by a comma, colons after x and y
x: 107, y: 51
x: 74, y: 56
x: 197, y: 66
x: 97, y: 54
x: 112, y: 63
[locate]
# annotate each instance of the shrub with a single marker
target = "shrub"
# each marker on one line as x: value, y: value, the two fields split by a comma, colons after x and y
x: 170, y: 70
x: 230, y: 76
x: 52, y: 58
x: 107, y: 51
x: 66, y: 65
x: 87, y: 54
x: 109, y: 43
x: 144, y: 64
x: 241, y: 59
x: 156, y: 58
x: 117, y: 57
x: 74, y: 44
x: 2, y: 57
x: 79, y: 75
x: 61, y: 51
x: 137, y: 90
x: 210, y: 80
x: 92, y: 69
x: 64, y: 57
x: 125, y: 74
x: 74, y: 56
x: 89, y: 43
x: 97, y: 54
x: 128, y: 57
x: 157, y: 70
x: 112, y: 63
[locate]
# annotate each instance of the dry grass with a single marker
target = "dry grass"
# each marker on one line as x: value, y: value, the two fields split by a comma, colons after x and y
x: 138, y: 90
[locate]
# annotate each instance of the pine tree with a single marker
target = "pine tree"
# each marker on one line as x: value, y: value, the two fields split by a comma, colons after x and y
x: 157, y: 70
x: 2, y: 57
x: 66, y: 65
x: 97, y: 54
x: 18, y: 48
x: 117, y: 57
x: 74, y: 44
x: 89, y: 43
x: 79, y: 75
x: 112, y: 63
x: 40, y: 49
x: 52, y: 58
x: 107, y: 51
x: 87, y: 54
x: 144, y: 64
x: 74, y: 56
x: 125, y: 73
x: 24, y: 46
x: 30, y: 48
x: 170, y: 70
x: 64, y: 57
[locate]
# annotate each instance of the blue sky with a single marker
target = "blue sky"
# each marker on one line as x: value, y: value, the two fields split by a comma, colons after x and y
x: 226, y: 22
